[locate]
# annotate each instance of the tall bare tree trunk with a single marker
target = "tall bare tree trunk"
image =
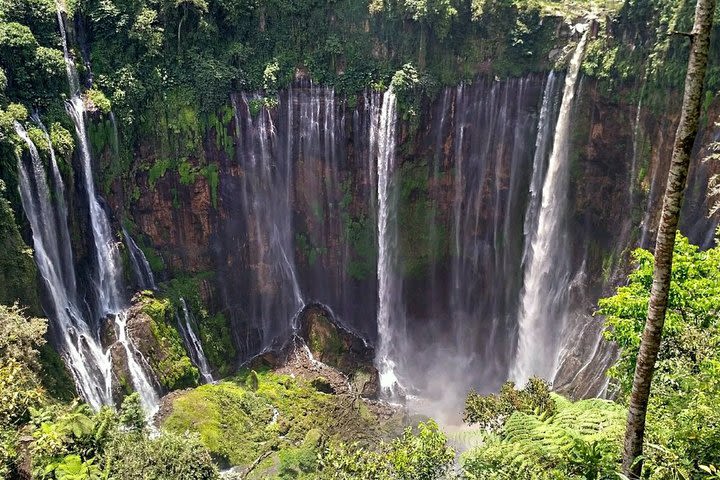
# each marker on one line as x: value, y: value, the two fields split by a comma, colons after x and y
x: 677, y: 177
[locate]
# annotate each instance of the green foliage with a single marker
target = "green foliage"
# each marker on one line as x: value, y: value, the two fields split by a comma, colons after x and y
x: 685, y: 398
x: 66, y: 439
x: 405, y: 83
x: 310, y: 252
x: 252, y: 382
x: 157, y: 171
x: 491, y: 411
x: 577, y: 440
x: 131, y: 413
x: 17, y: 268
x: 421, y: 456
x: 20, y: 387
x: 169, y: 456
x: 171, y: 364
x: 98, y: 101
x: 210, y: 172
x: 63, y: 142
x: 257, y: 414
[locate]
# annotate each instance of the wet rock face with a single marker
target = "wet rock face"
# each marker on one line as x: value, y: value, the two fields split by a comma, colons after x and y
x: 295, y: 211
x: 153, y: 337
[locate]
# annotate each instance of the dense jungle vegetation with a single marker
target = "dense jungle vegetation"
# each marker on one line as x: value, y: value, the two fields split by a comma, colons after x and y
x: 520, y: 433
x: 164, y: 70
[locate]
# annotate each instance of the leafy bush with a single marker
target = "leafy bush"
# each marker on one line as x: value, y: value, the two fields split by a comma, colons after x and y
x: 135, y: 456
x: 20, y: 387
x: 421, y: 456
x: 491, y: 411
x: 574, y: 440
x: 684, y: 412
x: 97, y: 100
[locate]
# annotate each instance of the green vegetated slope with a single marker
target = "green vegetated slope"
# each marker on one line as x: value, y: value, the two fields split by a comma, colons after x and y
x: 274, y: 419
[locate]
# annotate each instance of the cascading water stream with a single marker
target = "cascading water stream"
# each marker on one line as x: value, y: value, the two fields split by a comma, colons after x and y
x: 542, y: 144
x: 390, y: 315
x: 636, y: 136
x: 89, y: 365
x: 62, y: 214
x: 108, y: 271
x: 193, y: 344
x: 107, y: 258
x: 543, y: 306
x: 148, y: 398
x: 140, y: 265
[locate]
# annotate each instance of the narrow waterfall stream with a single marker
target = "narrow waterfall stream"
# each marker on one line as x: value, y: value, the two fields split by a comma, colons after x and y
x: 193, y: 343
x: 542, y: 144
x: 140, y: 265
x: 88, y: 363
x: 140, y: 380
x: 544, y: 295
x: 108, y: 270
x: 390, y: 315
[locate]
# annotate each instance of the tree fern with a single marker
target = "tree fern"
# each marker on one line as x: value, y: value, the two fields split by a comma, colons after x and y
x: 576, y: 440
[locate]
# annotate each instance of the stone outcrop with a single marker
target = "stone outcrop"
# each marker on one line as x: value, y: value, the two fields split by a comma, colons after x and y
x: 335, y: 359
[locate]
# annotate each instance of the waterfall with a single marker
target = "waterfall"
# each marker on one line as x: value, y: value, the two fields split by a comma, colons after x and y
x: 108, y: 273
x: 542, y: 143
x: 266, y: 191
x: 543, y: 306
x: 148, y: 398
x: 140, y: 265
x: 193, y: 343
x: 89, y: 365
x: 65, y: 245
x: 390, y: 313
x: 636, y: 135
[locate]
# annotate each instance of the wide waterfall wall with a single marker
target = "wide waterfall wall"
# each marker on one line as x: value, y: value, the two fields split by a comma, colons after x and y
x: 288, y: 204
x: 300, y: 204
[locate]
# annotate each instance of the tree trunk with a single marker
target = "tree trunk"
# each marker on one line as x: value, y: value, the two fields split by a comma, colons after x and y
x: 652, y: 334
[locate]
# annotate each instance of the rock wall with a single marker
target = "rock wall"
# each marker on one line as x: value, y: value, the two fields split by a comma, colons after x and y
x: 291, y: 219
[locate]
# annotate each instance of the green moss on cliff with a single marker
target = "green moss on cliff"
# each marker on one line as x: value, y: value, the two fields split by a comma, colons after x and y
x: 324, y: 341
x: 171, y: 364
x: 424, y: 239
x: 359, y: 232
x: 286, y: 415
x: 214, y: 328
x: 17, y: 268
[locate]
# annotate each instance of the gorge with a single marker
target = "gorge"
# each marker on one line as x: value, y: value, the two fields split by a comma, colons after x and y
x: 447, y: 220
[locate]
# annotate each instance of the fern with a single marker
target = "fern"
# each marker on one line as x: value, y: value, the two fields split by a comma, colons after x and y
x: 577, y: 440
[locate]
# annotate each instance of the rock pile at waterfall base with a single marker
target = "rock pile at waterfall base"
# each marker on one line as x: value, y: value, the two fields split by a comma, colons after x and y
x: 324, y: 350
x: 288, y: 403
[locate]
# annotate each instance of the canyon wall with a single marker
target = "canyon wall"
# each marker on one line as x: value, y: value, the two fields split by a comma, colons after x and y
x: 291, y: 216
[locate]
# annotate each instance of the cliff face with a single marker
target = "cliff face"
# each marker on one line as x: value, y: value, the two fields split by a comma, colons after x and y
x: 290, y: 217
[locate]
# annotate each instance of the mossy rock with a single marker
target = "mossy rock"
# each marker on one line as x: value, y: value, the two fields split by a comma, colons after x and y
x: 151, y: 326
x: 283, y: 423
x: 338, y: 347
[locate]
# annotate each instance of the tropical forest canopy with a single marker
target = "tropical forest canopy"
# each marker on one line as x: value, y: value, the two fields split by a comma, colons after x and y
x: 162, y: 222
